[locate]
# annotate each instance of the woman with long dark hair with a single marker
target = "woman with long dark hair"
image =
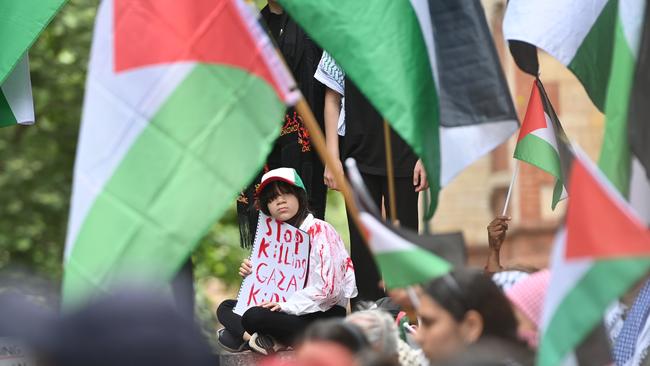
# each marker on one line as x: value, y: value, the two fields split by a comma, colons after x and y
x: 459, y: 309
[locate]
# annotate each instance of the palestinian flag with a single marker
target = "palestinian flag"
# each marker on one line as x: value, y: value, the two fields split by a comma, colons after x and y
x: 404, y: 258
x: 21, y: 22
x: 580, y: 34
x: 600, y: 41
x: 601, y: 251
x: 173, y: 91
x: 428, y: 66
x: 538, y: 136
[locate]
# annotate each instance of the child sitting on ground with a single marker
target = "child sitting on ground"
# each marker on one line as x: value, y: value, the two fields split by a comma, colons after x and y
x: 330, y: 280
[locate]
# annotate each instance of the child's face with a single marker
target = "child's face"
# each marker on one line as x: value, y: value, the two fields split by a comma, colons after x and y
x: 284, y: 206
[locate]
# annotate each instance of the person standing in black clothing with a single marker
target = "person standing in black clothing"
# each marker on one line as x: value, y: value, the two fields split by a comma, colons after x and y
x: 362, y: 138
x: 364, y: 141
x: 293, y: 148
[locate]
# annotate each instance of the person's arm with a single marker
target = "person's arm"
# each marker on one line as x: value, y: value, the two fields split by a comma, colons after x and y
x: 332, y: 112
x: 420, y: 177
x: 496, y: 235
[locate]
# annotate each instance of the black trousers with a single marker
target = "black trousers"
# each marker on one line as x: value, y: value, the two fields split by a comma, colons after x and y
x: 365, y: 269
x: 282, y: 326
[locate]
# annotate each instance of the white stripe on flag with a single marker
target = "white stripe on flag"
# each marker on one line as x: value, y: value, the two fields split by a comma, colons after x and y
x: 639, y: 190
x: 382, y: 239
x: 564, y: 277
x: 109, y: 126
x: 547, y: 134
x: 17, y: 89
x: 557, y: 26
x: 462, y: 146
x: 631, y: 16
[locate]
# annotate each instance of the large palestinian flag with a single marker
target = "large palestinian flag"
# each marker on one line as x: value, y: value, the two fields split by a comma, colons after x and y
x: 21, y: 22
x: 538, y: 136
x: 602, y: 42
x: 428, y: 66
x: 601, y: 251
x: 183, y: 103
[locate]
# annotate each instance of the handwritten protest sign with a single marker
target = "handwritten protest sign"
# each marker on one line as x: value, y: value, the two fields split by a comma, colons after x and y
x: 280, y: 259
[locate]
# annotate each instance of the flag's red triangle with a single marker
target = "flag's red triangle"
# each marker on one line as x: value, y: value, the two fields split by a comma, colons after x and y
x: 153, y: 32
x: 535, y: 118
x: 600, y: 226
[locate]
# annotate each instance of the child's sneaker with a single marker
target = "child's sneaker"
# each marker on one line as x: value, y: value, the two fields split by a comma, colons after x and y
x: 230, y: 343
x: 264, y: 344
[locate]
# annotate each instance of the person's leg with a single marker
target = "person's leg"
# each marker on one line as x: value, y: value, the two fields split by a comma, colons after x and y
x: 406, y: 202
x: 231, y: 321
x: 365, y: 270
x: 334, y: 312
x: 281, y: 326
x: 318, y: 189
x: 284, y: 327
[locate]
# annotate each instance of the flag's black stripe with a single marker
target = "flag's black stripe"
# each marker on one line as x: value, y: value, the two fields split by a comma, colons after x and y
x: 639, y: 112
x: 525, y: 56
x: 473, y: 88
x: 563, y: 143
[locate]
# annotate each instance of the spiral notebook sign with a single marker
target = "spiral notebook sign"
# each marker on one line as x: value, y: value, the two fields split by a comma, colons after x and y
x: 280, y: 259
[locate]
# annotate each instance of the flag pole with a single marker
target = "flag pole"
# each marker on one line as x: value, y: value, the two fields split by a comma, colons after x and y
x: 318, y: 139
x: 512, y: 183
x: 390, y: 175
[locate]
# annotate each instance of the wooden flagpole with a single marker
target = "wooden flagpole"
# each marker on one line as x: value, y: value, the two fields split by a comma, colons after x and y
x: 390, y: 175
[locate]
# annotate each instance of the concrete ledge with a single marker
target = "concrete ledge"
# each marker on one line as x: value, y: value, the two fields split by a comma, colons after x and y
x: 247, y: 358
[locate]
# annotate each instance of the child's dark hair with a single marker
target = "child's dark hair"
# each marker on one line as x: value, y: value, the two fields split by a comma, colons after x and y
x: 274, y: 189
x: 465, y: 289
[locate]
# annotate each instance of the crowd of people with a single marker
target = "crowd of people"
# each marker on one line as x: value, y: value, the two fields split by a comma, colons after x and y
x: 467, y: 317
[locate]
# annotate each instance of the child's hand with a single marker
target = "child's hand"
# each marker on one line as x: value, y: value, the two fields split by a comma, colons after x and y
x: 273, y: 306
x: 246, y: 268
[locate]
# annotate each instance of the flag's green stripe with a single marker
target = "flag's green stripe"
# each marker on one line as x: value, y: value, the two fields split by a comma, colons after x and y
x: 583, y: 306
x: 205, y: 143
x: 7, y: 117
x: 534, y: 150
x: 380, y: 46
x: 615, y: 153
x: 593, y: 59
x: 20, y: 24
x: 409, y: 267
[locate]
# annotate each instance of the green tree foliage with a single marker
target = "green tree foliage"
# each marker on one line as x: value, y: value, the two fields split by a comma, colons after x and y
x: 36, y: 161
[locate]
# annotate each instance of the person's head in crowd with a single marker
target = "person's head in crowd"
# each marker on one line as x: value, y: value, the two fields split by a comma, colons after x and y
x: 331, y: 342
x: 131, y: 327
x: 527, y: 297
x: 282, y: 195
x: 458, y: 309
x: 379, y: 328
